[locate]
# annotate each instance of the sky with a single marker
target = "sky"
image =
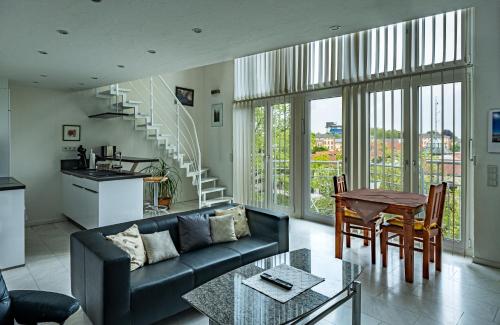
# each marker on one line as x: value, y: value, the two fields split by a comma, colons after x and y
x: 325, y: 110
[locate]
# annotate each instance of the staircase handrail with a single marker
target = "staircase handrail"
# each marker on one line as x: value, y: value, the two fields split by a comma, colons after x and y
x: 197, y: 142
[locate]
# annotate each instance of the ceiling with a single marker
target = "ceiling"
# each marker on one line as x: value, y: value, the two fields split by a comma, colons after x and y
x: 105, y: 34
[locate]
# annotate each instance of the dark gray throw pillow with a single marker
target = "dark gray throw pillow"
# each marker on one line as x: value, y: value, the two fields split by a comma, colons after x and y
x: 194, y: 231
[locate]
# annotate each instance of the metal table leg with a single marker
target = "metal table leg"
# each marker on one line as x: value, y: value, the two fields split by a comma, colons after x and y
x: 356, y: 303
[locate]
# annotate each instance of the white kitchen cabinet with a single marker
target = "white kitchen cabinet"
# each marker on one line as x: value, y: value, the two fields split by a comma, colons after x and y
x: 11, y: 228
x: 94, y: 204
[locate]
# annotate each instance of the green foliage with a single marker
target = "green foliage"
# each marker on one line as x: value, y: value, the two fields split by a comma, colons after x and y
x: 168, y: 188
x: 389, y: 134
x: 316, y: 149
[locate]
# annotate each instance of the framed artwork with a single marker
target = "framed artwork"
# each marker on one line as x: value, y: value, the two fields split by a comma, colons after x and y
x: 217, y: 115
x: 494, y: 130
x: 71, y: 132
x: 185, y: 96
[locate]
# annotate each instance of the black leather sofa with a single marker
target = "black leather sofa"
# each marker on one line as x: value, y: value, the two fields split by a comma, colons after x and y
x: 110, y: 294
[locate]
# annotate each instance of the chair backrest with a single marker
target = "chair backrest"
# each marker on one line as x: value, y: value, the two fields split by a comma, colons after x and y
x: 340, y: 184
x: 5, y: 314
x: 435, y: 205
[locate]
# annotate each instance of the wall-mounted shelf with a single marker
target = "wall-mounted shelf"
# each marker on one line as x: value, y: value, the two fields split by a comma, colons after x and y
x: 109, y: 115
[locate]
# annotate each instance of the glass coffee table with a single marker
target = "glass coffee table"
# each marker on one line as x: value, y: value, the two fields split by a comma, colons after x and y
x: 226, y: 300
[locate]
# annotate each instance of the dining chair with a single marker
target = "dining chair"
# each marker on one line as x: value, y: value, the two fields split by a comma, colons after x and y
x: 352, y: 220
x: 427, y: 231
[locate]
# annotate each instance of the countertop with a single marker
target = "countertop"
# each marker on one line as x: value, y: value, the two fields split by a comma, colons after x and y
x: 10, y: 183
x: 90, y: 174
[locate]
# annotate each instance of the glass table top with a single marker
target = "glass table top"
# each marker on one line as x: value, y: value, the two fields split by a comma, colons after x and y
x: 226, y: 300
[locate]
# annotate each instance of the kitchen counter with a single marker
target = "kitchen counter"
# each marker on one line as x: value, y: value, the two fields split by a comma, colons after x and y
x: 103, y: 175
x: 10, y: 183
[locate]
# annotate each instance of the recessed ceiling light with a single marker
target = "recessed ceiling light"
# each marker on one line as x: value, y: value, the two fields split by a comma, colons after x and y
x: 120, y: 66
x: 151, y: 51
x: 334, y: 27
x: 95, y: 78
x: 36, y: 82
x: 62, y: 31
x: 42, y: 52
x: 43, y: 76
x: 197, y: 30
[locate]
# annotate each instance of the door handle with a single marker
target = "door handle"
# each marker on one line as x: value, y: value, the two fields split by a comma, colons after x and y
x: 87, y: 189
x: 77, y: 186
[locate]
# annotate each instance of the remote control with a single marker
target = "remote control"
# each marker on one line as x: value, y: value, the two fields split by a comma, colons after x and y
x: 268, y: 277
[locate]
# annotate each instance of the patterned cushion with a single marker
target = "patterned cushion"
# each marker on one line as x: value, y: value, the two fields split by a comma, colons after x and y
x: 131, y: 242
x: 222, y: 229
x: 159, y: 246
x: 241, y: 228
x: 418, y: 225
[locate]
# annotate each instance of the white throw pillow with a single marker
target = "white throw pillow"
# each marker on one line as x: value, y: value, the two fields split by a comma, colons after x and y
x: 159, y: 246
x: 131, y: 242
x: 222, y: 229
x: 241, y: 228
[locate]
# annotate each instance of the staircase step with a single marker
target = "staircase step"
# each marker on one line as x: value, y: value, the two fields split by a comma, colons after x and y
x: 209, y: 203
x: 213, y: 189
x: 191, y: 174
x: 111, y: 93
x: 208, y: 179
x: 127, y: 104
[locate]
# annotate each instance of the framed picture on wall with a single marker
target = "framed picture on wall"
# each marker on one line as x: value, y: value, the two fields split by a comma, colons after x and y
x: 71, y: 132
x: 216, y: 114
x: 185, y: 96
x: 494, y: 130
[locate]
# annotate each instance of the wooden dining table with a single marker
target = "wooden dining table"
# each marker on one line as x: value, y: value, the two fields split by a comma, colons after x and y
x: 405, y: 204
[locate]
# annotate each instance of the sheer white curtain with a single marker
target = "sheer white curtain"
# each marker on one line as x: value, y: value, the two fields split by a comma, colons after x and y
x: 242, y: 147
x: 422, y: 44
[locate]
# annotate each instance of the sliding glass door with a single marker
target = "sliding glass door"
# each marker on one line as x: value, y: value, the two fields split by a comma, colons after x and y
x: 323, y: 153
x: 439, y: 150
x: 416, y: 139
x: 271, y: 153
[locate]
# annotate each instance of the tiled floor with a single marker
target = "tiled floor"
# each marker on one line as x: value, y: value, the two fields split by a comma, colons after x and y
x: 463, y: 293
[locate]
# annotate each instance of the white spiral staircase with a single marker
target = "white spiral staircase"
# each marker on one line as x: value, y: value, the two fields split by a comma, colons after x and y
x: 161, y: 118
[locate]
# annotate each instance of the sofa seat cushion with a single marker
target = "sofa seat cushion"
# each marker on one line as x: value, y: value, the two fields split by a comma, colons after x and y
x: 210, y: 262
x: 252, y: 249
x: 158, y: 288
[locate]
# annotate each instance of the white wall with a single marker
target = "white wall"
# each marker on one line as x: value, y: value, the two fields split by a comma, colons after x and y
x: 487, y: 96
x: 37, y: 118
x: 218, y: 141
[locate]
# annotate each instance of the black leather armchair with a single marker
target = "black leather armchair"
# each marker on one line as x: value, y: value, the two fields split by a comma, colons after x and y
x: 32, y: 307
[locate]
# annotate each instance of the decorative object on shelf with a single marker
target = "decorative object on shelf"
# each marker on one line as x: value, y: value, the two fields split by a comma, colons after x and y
x: 71, y: 132
x: 494, y: 130
x: 215, y: 92
x: 167, y: 188
x: 185, y: 96
x: 217, y: 117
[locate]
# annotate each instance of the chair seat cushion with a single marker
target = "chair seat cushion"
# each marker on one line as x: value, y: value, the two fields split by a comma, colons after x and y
x: 31, y: 307
x: 210, y: 262
x: 158, y: 287
x: 418, y: 224
x: 252, y: 249
x: 351, y: 213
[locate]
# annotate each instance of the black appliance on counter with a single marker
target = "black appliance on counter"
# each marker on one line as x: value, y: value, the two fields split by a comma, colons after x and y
x: 82, y: 154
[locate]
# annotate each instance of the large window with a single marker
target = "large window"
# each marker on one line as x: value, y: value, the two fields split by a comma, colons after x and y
x: 386, y: 140
x: 271, y: 152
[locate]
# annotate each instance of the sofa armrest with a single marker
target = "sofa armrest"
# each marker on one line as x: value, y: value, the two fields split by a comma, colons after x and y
x: 269, y: 224
x: 100, y: 278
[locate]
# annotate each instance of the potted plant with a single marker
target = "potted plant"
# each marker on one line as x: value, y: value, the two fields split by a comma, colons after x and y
x: 168, y: 188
